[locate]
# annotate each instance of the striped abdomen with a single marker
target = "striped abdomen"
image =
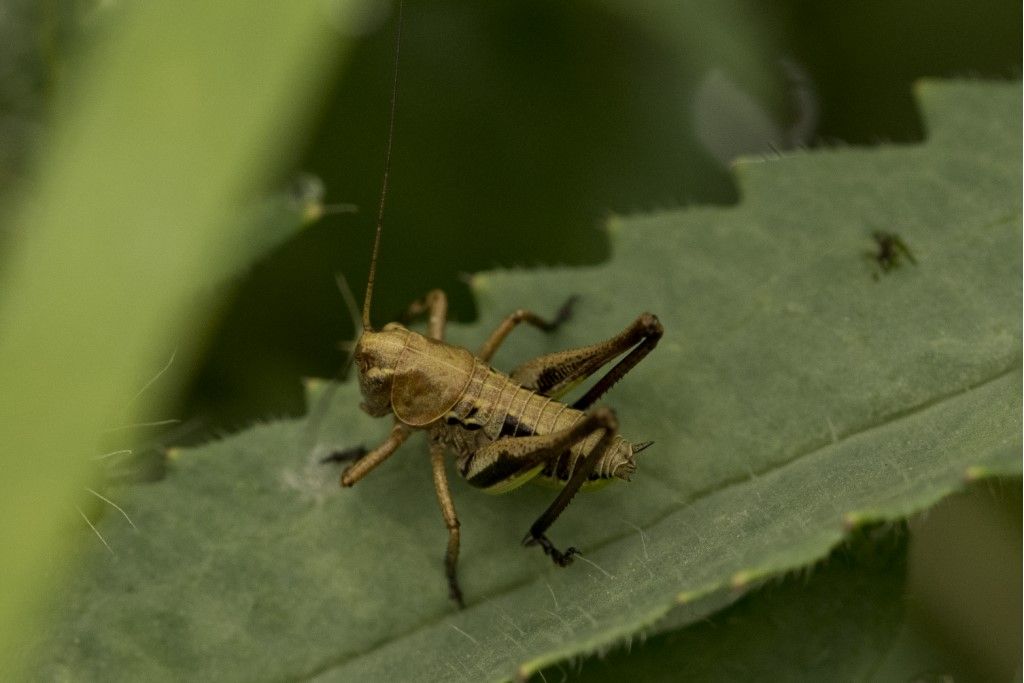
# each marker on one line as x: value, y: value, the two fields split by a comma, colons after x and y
x: 493, y: 408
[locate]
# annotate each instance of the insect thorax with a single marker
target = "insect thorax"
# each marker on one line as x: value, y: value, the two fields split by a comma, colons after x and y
x: 417, y: 378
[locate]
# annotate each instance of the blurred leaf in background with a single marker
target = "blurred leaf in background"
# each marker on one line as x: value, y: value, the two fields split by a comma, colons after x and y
x: 523, y: 125
x: 126, y: 208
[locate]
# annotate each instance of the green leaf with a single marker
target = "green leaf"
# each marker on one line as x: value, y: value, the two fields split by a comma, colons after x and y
x: 837, y: 623
x: 799, y: 392
x: 163, y: 128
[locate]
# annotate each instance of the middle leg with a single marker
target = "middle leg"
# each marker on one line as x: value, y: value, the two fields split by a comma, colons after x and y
x: 524, y: 316
x: 451, y: 521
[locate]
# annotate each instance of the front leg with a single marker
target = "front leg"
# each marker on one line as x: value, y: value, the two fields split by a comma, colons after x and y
x: 365, y: 462
x: 435, y: 305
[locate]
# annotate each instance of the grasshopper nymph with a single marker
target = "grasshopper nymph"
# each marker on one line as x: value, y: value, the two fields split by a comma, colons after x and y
x: 504, y: 429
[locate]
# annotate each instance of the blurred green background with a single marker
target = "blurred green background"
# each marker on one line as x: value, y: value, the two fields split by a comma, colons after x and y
x: 520, y: 126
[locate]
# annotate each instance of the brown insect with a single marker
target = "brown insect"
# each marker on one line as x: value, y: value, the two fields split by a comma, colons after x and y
x: 503, y: 429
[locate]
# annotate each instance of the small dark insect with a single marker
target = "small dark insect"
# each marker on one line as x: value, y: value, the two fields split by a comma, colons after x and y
x: 890, y: 251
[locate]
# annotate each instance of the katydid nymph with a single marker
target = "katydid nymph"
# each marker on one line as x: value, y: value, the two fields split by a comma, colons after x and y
x: 504, y: 429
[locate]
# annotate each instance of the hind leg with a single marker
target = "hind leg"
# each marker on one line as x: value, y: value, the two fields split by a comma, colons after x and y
x: 557, y: 373
x: 600, y: 418
x: 510, y: 462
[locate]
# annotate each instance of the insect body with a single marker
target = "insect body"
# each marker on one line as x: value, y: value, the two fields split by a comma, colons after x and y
x: 890, y: 251
x: 504, y: 429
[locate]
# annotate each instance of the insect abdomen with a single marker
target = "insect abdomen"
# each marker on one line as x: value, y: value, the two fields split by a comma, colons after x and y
x: 494, y: 408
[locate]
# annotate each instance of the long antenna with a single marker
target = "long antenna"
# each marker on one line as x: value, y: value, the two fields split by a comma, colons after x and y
x: 387, y: 171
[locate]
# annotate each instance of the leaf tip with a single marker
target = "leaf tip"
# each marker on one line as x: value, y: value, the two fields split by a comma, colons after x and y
x: 314, y: 388
x: 741, y: 579
x: 477, y: 282
x: 742, y: 164
x: 613, y: 226
x: 921, y: 87
x: 312, y: 383
x: 976, y: 472
x: 853, y: 520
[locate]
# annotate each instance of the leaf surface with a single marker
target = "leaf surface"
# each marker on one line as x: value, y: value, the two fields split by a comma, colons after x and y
x: 798, y: 392
x: 836, y: 622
